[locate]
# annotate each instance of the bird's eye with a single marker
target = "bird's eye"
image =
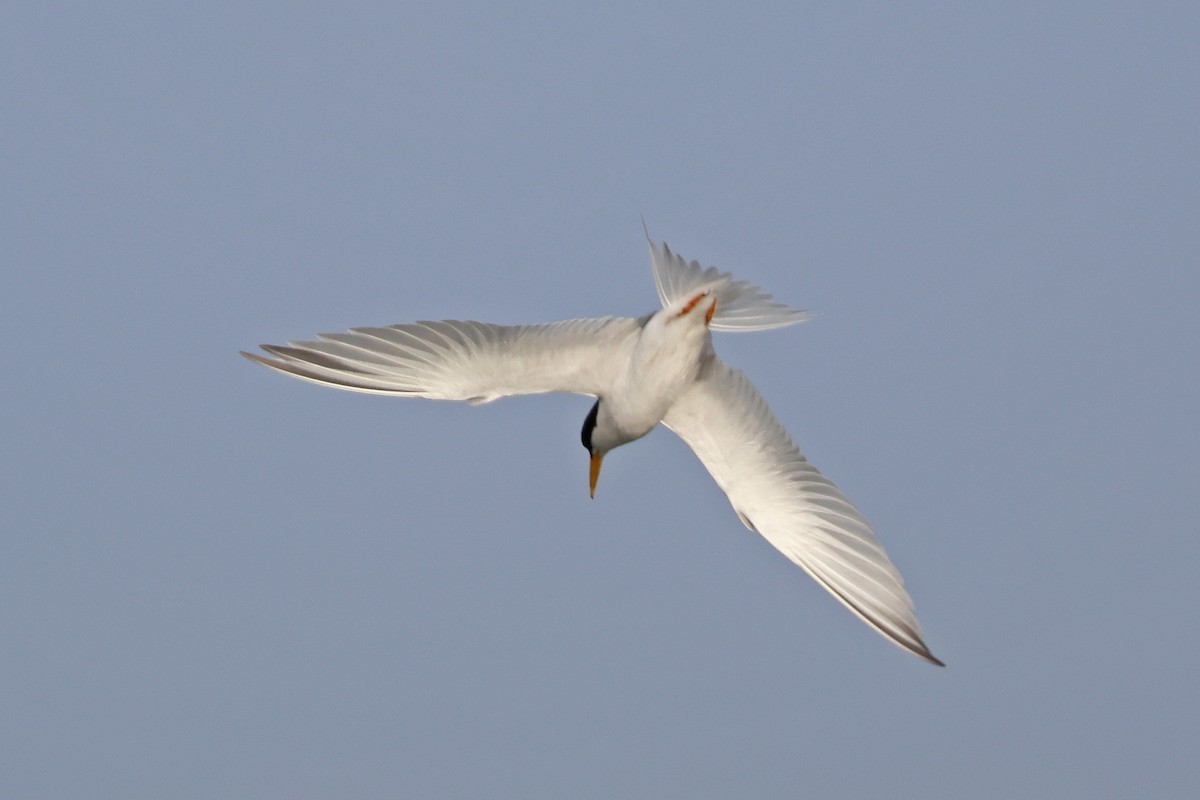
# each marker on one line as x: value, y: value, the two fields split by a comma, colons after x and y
x: 589, y: 425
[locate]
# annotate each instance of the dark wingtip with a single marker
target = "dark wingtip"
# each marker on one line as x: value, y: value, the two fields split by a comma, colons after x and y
x: 925, y: 655
x: 259, y: 358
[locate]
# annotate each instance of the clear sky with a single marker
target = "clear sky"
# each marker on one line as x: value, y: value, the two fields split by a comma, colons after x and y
x: 216, y: 582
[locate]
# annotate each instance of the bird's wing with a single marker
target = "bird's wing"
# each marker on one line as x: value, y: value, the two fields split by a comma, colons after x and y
x: 776, y: 492
x: 471, y: 361
x: 741, y: 306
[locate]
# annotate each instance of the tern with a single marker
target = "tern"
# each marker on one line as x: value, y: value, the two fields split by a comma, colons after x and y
x: 659, y: 368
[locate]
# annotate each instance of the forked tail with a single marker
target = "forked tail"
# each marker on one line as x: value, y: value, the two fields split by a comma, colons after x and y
x: 741, y: 306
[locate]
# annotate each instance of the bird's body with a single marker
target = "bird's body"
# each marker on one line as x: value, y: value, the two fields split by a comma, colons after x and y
x: 660, y: 368
x: 665, y: 360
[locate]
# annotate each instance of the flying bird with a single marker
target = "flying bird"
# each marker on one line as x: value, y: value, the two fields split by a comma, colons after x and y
x: 659, y: 368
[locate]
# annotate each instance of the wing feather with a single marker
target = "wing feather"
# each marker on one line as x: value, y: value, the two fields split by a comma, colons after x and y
x: 463, y: 360
x: 778, y: 493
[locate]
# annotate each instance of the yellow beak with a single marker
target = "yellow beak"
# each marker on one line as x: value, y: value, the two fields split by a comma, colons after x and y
x: 594, y: 474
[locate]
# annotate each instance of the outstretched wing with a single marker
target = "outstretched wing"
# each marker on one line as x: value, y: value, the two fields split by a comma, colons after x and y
x: 471, y: 361
x: 776, y: 492
x: 741, y: 306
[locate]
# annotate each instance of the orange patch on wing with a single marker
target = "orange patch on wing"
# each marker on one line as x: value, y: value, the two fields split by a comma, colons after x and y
x: 711, y: 310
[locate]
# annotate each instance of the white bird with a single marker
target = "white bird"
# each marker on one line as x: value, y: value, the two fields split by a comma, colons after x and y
x: 658, y: 368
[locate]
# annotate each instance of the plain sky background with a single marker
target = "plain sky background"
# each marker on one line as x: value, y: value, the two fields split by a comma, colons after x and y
x: 216, y: 582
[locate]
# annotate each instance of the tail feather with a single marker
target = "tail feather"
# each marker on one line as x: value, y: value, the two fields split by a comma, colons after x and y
x: 741, y: 306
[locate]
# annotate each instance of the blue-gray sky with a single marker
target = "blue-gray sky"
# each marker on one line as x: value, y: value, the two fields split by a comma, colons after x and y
x: 217, y: 582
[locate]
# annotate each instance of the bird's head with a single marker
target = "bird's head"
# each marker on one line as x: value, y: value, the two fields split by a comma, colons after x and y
x: 599, y: 435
